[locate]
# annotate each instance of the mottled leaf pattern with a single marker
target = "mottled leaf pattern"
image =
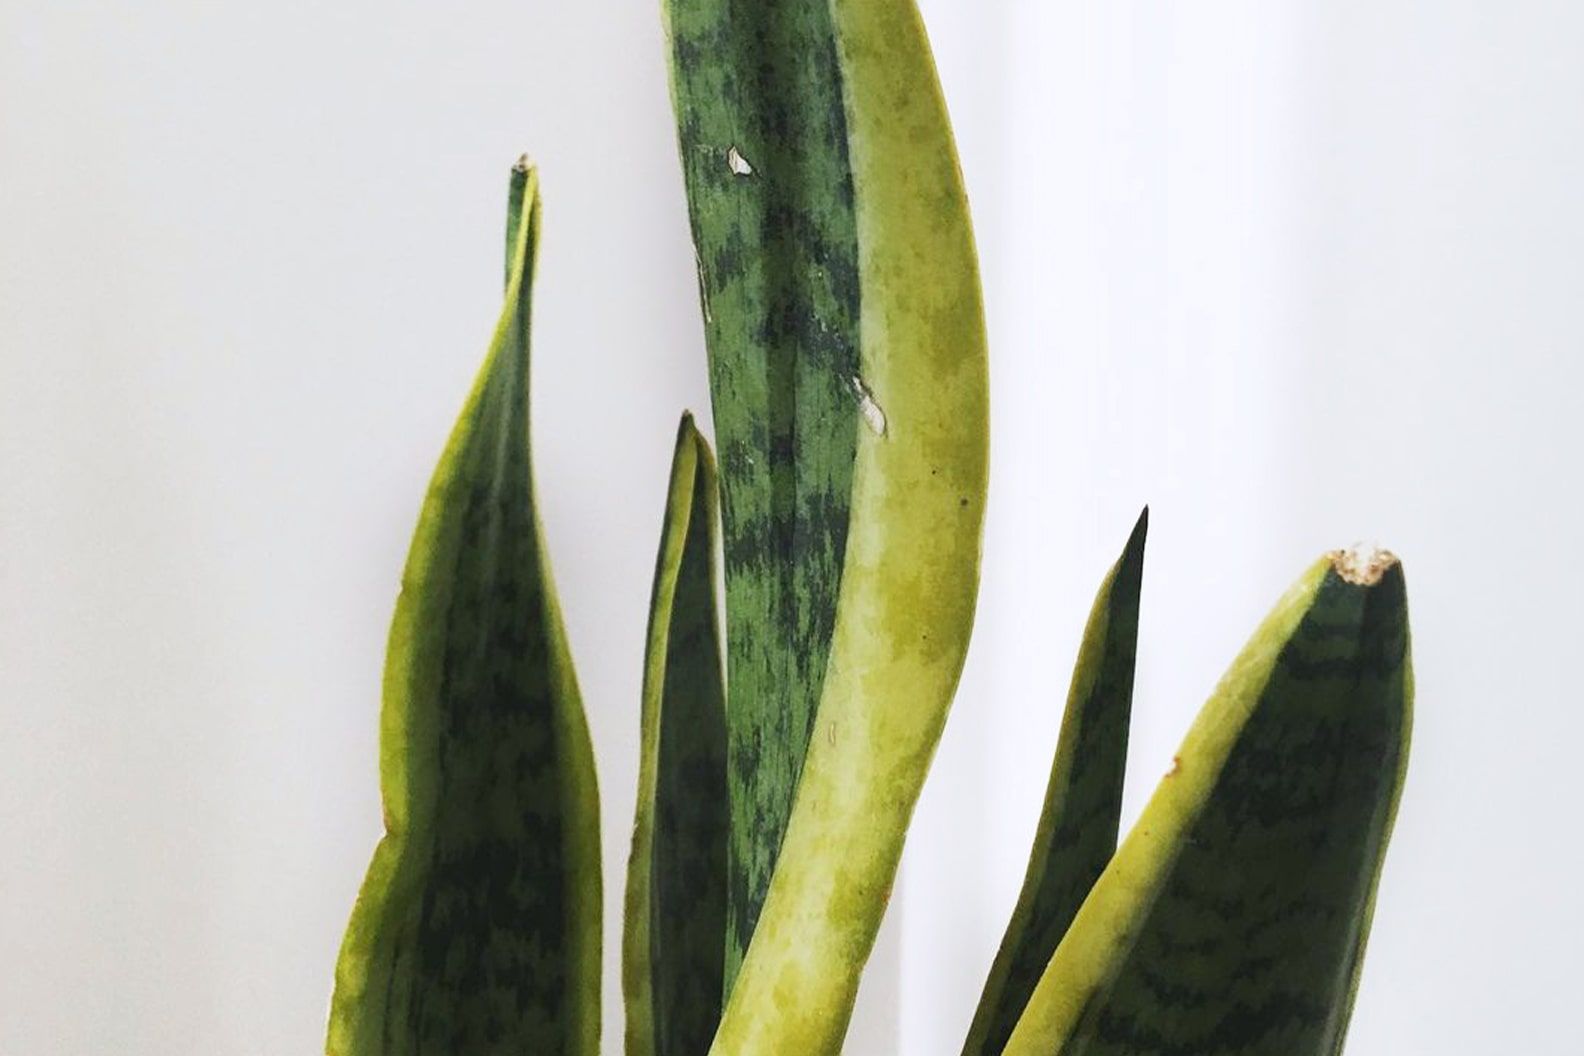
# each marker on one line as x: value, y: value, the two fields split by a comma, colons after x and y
x: 842, y: 311
x: 763, y: 138
x: 673, y: 954
x: 478, y: 927
x: 1233, y: 919
x: 1077, y: 831
x: 912, y: 407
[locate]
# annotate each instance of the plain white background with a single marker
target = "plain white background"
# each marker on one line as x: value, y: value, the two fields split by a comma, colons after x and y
x: 1295, y: 274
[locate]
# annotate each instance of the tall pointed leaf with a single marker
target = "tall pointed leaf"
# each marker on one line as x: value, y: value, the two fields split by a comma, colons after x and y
x: 848, y: 372
x: 1233, y: 918
x: 764, y: 144
x: 478, y: 926
x: 1077, y: 831
x: 673, y: 954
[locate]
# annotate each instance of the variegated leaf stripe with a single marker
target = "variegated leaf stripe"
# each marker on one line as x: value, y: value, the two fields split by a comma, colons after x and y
x: 673, y: 953
x: 1077, y: 831
x: 764, y: 136
x: 841, y: 298
x: 1233, y: 918
x: 478, y: 926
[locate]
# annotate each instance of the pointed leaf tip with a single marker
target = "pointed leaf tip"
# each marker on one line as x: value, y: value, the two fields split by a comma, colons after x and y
x: 1130, y: 564
x: 674, y: 945
x: 1233, y: 919
x: 1140, y: 528
x: 1077, y: 831
x: 479, y: 930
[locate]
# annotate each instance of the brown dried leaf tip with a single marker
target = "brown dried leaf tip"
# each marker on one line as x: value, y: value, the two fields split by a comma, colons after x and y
x: 1362, y: 563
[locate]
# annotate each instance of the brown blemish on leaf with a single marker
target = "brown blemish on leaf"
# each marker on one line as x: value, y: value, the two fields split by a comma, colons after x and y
x: 1362, y: 564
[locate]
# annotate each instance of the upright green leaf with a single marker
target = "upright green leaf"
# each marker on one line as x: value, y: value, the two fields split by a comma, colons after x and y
x: 841, y: 298
x: 1233, y: 918
x: 478, y: 927
x: 758, y: 90
x: 1077, y: 831
x: 673, y: 954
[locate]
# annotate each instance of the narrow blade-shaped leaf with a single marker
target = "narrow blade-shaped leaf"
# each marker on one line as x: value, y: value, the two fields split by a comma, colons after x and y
x: 842, y: 306
x: 478, y: 926
x: 1233, y: 918
x: 758, y: 92
x: 673, y: 953
x: 1077, y: 831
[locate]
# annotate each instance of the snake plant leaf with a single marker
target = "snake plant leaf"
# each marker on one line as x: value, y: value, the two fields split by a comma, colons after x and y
x: 673, y: 952
x: 478, y: 926
x: 1233, y: 918
x: 1077, y: 831
x: 764, y: 140
x: 848, y: 370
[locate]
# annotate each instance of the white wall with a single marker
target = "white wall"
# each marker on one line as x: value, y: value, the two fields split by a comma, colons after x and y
x: 1295, y: 274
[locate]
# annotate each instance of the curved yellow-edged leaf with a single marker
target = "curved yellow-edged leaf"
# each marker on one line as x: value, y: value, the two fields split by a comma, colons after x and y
x: 673, y: 952
x: 1233, y: 918
x: 764, y: 142
x: 915, y: 423
x: 478, y: 926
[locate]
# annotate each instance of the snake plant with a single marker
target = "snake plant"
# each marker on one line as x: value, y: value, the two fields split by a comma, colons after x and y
x: 789, y: 714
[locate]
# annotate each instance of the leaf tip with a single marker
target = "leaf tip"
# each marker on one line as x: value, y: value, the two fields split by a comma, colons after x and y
x: 1363, y: 564
x: 688, y: 431
x: 1130, y: 566
x: 1140, y: 530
